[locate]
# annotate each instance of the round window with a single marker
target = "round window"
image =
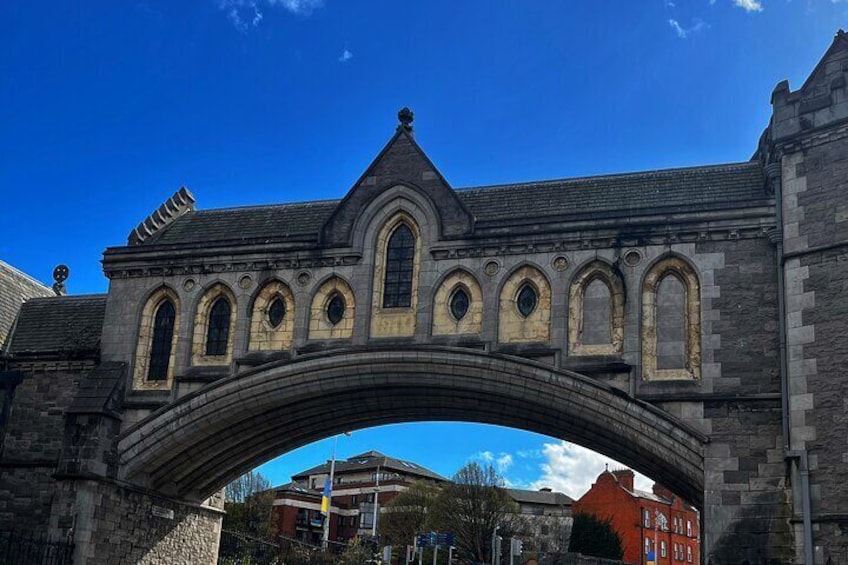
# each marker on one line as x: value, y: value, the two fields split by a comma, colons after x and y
x: 527, y: 300
x: 276, y: 312
x: 459, y: 303
x: 335, y: 309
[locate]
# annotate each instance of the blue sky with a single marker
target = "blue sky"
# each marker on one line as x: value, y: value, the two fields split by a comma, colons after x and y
x: 108, y: 107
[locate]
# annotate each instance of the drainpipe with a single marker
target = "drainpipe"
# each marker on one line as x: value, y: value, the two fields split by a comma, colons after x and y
x: 773, y: 175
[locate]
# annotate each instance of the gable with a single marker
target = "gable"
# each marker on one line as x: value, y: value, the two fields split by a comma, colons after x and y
x: 832, y: 66
x: 402, y: 162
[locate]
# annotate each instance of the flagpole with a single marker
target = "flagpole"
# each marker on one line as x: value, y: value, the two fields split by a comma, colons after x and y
x: 329, y: 494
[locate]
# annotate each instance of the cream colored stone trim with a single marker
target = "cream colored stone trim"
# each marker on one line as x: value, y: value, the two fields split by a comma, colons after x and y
x: 512, y: 326
x: 263, y: 336
x: 319, y: 326
x: 676, y: 267
x: 394, y: 322
x: 201, y: 327
x: 443, y: 321
x: 596, y: 270
x: 145, y: 341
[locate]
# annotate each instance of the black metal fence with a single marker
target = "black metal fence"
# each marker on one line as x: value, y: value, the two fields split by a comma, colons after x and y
x: 238, y: 548
x: 29, y: 548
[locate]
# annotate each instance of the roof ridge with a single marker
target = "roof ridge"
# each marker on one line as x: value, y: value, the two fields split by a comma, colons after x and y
x: 632, y: 174
x: 24, y: 275
x: 70, y: 297
x: 275, y: 205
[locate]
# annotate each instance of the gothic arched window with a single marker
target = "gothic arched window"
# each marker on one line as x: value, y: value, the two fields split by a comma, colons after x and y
x: 163, y: 335
x: 596, y: 311
x: 671, y: 322
x: 400, y: 261
x: 218, y: 332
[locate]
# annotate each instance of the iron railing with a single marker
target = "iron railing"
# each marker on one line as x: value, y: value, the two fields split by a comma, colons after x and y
x: 30, y: 548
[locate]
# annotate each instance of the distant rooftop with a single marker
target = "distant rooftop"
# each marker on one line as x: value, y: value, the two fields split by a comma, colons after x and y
x: 540, y: 497
x: 367, y: 461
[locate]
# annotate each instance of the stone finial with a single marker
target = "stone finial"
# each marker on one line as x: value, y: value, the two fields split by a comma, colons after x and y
x: 405, y: 117
x: 180, y: 203
x: 60, y: 275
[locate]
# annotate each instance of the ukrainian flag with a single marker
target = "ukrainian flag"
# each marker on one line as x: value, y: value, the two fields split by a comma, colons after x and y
x: 325, y: 498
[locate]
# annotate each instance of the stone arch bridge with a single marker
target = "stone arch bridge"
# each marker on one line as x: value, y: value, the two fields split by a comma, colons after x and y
x: 684, y: 321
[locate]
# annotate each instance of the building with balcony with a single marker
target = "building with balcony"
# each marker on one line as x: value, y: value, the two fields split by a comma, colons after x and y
x: 356, y: 481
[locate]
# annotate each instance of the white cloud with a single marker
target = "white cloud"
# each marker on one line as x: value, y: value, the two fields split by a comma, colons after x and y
x: 749, y: 5
x: 572, y: 469
x: 503, y: 462
x: 345, y: 56
x: 246, y: 14
x: 484, y: 456
x: 683, y: 33
x: 304, y: 7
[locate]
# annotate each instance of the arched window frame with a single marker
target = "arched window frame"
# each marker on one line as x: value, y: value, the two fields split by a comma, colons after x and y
x: 144, y: 346
x: 263, y: 336
x: 595, y: 271
x: 513, y: 327
x: 208, y: 299
x: 444, y: 323
x: 319, y: 325
x: 685, y: 273
x: 401, y: 240
x: 397, y: 321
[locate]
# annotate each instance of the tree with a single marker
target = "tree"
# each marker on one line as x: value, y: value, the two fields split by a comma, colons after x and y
x: 248, y: 503
x: 472, y: 507
x: 405, y: 516
x: 594, y: 536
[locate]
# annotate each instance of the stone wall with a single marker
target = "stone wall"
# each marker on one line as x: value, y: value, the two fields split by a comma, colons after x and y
x: 33, y: 442
x: 818, y: 323
x: 116, y: 524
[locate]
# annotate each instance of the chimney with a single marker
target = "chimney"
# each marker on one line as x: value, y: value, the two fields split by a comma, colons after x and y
x: 663, y: 492
x: 624, y: 478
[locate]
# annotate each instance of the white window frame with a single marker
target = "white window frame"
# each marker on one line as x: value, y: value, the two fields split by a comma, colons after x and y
x: 647, y: 518
x: 689, y: 528
x: 647, y: 546
x: 663, y: 549
x: 689, y: 553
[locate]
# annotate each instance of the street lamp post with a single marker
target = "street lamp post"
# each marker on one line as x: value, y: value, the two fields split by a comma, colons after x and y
x: 376, y: 503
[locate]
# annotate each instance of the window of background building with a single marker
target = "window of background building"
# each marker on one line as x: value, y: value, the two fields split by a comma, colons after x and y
x: 647, y: 519
x: 689, y: 528
x: 663, y: 549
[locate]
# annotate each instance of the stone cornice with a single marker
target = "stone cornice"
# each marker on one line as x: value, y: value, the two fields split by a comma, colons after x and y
x: 813, y: 137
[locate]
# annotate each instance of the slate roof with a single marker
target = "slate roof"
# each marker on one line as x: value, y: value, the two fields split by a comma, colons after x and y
x: 695, y: 187
x: 541, y: 497
x: 59, y: 324
x: 706, y: 187
x: 15, y: 289
x: 97, y: 392
x: 370, y: 460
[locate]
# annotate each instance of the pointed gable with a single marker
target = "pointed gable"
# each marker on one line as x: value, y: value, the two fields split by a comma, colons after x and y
x: 831, y: 66
x: 821, y: 100
x: 402, y: 162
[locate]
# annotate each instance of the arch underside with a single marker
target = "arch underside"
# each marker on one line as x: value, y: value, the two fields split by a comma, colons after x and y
x: 197, y: 445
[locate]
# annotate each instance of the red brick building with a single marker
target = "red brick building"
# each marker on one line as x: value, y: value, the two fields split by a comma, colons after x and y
x: 298, y: 504
x: 657, y: 521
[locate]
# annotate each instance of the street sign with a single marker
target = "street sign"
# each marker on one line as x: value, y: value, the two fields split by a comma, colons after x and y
x: 435, y: 539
